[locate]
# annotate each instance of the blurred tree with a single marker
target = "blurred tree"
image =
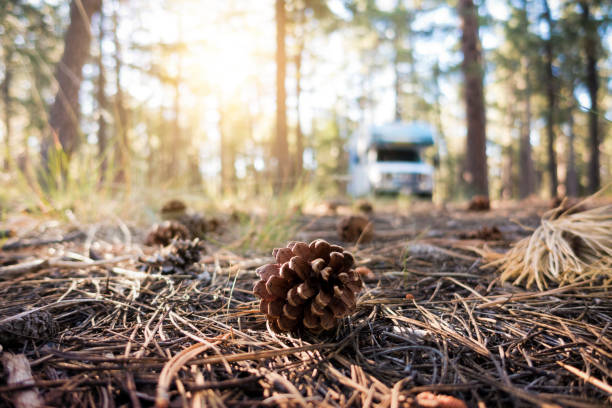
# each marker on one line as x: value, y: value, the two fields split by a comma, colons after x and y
x: 592, y: 45
x: 8, y: 105
x: 281, y: 146
x: 551, y: 97
x: 102, y: 99
x: 570, y: 76
x: 28, y: 41
x: 64, y: 115
x: 516, y: 64
x: 122, y: 145
x: 397, y: 37
x: 305, y: 19
x: 476, y: 171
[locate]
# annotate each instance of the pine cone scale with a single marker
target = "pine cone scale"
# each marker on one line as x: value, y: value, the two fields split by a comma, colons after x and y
x: 277, y: 286
x: 267, y: 271
x: 300, y: 267
x: 305, y: 291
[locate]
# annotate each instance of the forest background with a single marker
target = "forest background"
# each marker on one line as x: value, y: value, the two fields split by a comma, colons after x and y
x: 240, y: 99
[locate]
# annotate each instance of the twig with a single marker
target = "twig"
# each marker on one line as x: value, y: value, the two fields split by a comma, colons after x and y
x: 17, y: 369
x: 26, y: 243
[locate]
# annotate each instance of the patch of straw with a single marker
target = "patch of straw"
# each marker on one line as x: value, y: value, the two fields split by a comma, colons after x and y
x: 570, y: 248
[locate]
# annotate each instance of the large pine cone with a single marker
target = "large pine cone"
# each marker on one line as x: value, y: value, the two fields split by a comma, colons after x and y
x: 310, y: 286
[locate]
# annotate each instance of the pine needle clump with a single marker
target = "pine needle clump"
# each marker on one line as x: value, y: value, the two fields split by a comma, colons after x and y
x: 564, y: 249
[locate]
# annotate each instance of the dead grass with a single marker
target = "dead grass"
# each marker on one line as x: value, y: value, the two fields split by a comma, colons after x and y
x: 564, y: 249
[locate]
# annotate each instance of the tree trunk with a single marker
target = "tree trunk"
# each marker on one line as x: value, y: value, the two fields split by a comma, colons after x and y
x: 102, y: 103
x: 122, y: 145
x: 299, y: 136
x: 507, y: 177
x: 571, y: 177
x: 281, y: 147
x: 225, y: 147
x: 592, y: 82
x: 6, y: 98
x: 413, y: 110
x: 177, y: 148
x: 397, y: 88
x: 551, y: 102
x: 446, y: 169
x: 526, y: 169
x: 64, y: 115
x: 476, y: 159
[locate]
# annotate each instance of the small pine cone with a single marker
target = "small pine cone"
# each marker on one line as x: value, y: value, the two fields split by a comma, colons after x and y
x: 355, y: 228
x: 365, y: 206
x: 309, y: 286
x: 479, y: 203
x: 181, y: 257
x: 7, y: 233
x: 485, y: 233
x: 39, y: 325
x: 195, y: 223
x: 173, y: 209
x: 162, y: 234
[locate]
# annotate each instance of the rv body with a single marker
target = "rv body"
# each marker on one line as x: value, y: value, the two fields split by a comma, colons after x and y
x: 390, y: 159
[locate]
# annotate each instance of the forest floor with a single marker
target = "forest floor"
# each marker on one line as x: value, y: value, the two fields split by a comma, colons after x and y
x: 107, y: 330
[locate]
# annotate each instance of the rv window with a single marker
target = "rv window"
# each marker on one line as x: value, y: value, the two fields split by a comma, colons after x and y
x: 406, y: 155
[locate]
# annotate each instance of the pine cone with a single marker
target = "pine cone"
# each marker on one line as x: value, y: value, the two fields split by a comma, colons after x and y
x: 195, y: 223
x: 173, y: 209
x: 181, y: 257
x: 485, y: 233
x: 479, y: 203
x: 365, y: 206
x: 355, y: 228
x: 310, y: 286
x: 39, y: 325
x: 164, y: 233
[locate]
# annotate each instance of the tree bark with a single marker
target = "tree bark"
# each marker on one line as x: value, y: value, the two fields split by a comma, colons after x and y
x: 526, y: 169
x: 552, y: 105
x: 299, y: 136
x: 102, y: 103
x: 7, y: 102
x: 592, y: 82
x: 397, y: 89
x: 122, y: 144
x: 571, y: 177
x: 65, y: 112
x: 226, y: 151
x: 476, y: 159
x: 281, y: 147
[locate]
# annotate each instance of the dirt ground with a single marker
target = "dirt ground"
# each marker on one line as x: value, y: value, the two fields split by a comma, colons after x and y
x: 101, y: 325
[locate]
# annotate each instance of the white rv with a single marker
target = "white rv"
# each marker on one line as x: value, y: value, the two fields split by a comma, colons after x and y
x: 390, y: 159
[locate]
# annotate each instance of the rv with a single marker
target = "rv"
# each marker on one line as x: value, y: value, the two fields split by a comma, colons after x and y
x: 390, y: 159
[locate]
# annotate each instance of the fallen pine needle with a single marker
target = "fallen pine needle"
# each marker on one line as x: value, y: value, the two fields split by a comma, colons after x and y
x: 593, y: 381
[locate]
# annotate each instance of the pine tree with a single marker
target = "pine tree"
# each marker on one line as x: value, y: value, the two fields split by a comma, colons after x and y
x: 476, y: 171
x: 281, y: 146
x: 65, y: 112
x: 551, y: 92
